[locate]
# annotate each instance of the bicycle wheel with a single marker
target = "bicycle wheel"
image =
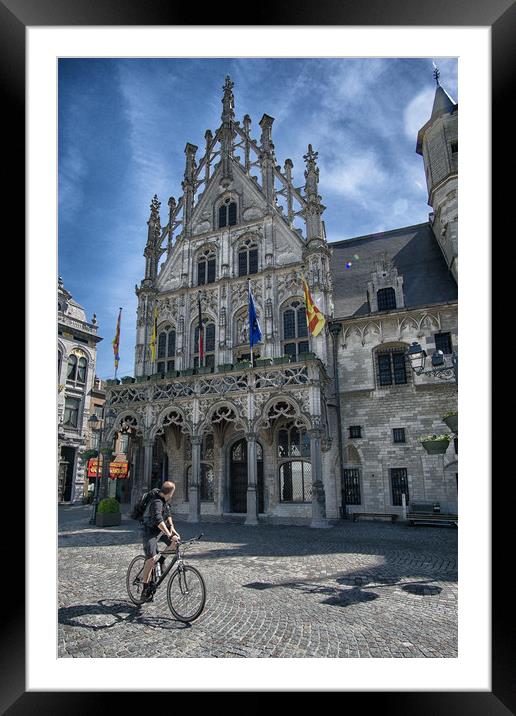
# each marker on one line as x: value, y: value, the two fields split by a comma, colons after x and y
x: 186, y: 594
x: 134, y: 580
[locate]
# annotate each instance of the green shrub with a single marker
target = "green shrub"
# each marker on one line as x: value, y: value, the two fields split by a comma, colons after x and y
x: 109, y: 504
x: 451, y: 414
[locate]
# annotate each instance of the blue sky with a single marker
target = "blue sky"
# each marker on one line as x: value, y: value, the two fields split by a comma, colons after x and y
x: 123, y: 126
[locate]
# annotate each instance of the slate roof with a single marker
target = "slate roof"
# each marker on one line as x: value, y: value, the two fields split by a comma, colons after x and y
x: 443, y: 104
x: 414, y: 252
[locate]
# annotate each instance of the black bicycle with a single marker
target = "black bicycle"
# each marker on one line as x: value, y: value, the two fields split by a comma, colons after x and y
x: 186, y: 590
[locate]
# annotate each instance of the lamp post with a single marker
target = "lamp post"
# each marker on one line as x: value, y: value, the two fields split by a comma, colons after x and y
x: 440, y: 367
x: 93, y: 422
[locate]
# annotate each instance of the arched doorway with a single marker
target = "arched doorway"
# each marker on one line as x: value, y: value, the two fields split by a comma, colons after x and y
x: 238, y: 476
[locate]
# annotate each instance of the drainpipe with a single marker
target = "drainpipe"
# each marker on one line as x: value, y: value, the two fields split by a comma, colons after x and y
x: 335, y: 329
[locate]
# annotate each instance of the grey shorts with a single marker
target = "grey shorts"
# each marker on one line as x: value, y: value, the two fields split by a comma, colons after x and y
x: 150, y: 542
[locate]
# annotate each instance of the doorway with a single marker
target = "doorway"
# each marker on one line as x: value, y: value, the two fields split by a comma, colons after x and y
x: 238, y: 477
x: 66, y: 474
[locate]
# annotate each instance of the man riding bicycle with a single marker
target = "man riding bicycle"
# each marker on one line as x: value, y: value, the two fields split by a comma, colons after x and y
x: 157, y: 519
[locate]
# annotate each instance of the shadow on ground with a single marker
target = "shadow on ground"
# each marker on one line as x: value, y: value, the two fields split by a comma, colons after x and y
x: 116, y: 612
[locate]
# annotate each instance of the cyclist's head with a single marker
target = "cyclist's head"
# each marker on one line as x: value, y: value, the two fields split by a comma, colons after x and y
x: 167, y: 489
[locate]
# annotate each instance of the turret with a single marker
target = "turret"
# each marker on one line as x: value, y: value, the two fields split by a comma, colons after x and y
x: 437, y: 143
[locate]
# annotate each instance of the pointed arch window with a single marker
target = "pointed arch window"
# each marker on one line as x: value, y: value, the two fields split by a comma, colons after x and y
x: 227, y: 213
x: 248, y: 258
x: 295, y: 331
x: 166, y: 350
x: 206, y: 267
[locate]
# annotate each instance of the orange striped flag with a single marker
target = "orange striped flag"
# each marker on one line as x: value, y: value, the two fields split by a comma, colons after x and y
x: 314, y: 318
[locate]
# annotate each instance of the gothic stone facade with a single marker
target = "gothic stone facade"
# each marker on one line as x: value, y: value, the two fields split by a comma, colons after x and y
x: 76, y: 357
x: 260, y: 441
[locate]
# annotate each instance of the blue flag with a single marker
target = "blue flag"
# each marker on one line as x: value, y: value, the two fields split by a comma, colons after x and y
x: 255, y: 332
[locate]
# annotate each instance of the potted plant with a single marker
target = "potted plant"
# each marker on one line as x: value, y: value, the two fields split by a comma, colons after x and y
x: 202, y: 369
x: 243, y: 365
x: 224, y: 367
x: 171, y: 374
x: 280, y: 360
x: 187, y: 371
x: 263, y: 361
x: 141, y: 379
x: 127, y: 379
x: 435, y: 444
x: 451, y: 419
x: 113, y: 381
x: 108, y: 513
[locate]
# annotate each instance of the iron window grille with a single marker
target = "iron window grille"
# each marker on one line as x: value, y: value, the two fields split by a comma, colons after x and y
x: 399, y: 485
x: 355, y: 431
x: 295, y: 481
x: 443, y: 342
x: 398, y: 435
x: 351, y: 487
x: 386, y: 298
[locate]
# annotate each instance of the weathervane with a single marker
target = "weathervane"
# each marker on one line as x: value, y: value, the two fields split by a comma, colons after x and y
x: 437, y: 74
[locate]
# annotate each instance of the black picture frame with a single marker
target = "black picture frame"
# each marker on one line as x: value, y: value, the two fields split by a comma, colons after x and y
x: 500, y: 16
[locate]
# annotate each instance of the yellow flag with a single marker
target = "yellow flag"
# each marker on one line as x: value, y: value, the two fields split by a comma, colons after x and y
x: 314, y: 318
x: 154, y: 336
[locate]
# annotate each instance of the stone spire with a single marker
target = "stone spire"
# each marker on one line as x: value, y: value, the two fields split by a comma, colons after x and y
x: 314, y: 209
x: 267, y: 158
x: 228, y: 132
x: 153, y: 249
x: 188, y: 186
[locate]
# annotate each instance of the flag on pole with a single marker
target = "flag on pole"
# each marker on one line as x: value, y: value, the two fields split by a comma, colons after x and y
x: 116, y: 341
x: 201, y: 331
x: 255, y: 332
x: 314, y: 318
x: 154, y: 336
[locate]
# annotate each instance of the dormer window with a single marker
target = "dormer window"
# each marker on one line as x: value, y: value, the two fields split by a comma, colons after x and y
x: 206, y: 267
x: 386, y: 299
x: 227, y: 213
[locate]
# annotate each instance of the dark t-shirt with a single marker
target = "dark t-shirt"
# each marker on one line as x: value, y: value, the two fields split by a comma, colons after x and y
x: 157, y: 511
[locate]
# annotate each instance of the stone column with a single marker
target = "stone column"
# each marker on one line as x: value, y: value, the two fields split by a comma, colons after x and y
x: 148, y: 446
x: 195, y: 480
x: 106, y: 453
x: 252, y: 479
x: 318, y: 497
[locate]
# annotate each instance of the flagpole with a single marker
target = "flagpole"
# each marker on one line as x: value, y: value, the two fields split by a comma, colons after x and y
x: 250, y: 327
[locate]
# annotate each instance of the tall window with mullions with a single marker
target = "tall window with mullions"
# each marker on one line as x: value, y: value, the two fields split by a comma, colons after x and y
x: 392, y: 368
x: 166, y: 351
x: 295, y: 330
x: 209, y: 345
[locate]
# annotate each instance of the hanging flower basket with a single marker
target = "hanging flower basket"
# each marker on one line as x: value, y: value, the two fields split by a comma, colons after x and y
x: 435, y: 444
x: 452, y: 421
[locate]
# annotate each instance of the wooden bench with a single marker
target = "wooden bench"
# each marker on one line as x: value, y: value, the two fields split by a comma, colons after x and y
x: 393, y: 517
x: 429, y: 513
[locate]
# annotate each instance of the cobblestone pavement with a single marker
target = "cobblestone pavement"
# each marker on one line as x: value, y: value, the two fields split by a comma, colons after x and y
x: 356, y: 590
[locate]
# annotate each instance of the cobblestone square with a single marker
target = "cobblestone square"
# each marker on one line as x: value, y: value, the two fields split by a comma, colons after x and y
x: 364, y: 589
